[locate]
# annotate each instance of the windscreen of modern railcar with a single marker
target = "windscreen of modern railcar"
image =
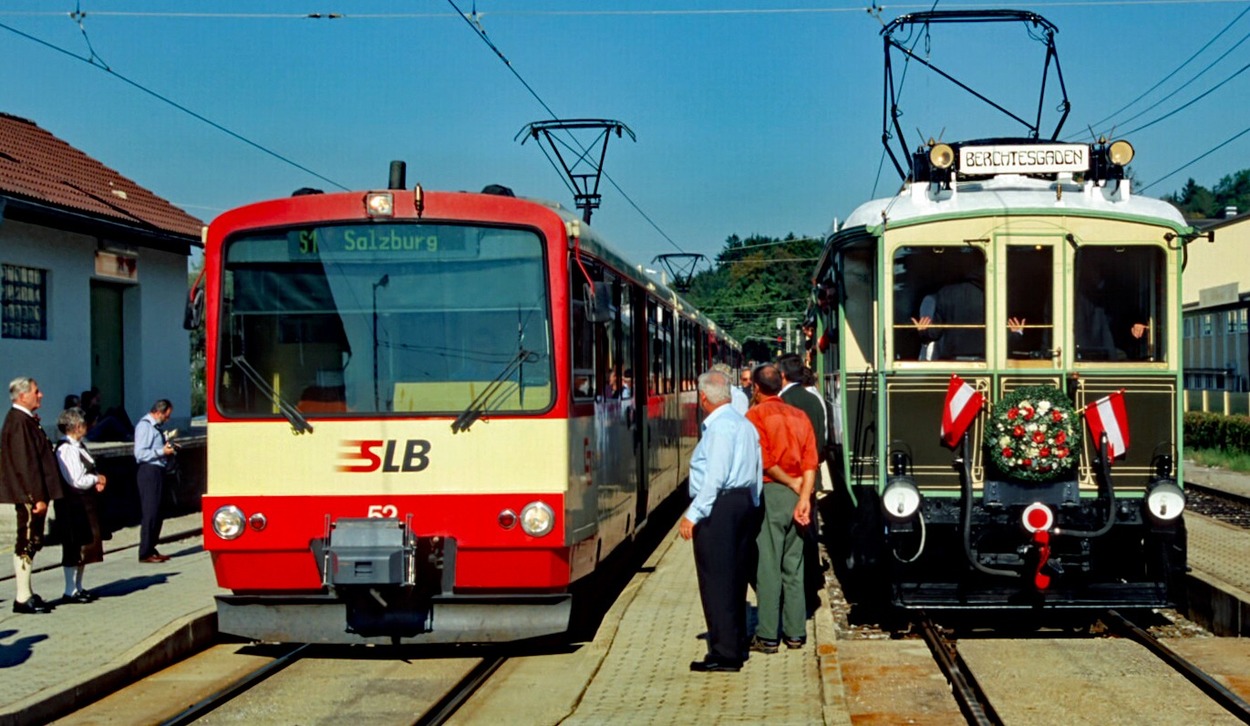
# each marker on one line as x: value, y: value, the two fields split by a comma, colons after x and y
x: 384, y: 318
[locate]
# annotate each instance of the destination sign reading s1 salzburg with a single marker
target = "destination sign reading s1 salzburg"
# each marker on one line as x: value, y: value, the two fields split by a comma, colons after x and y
x: 383, y: 242
x: 1030, y: 159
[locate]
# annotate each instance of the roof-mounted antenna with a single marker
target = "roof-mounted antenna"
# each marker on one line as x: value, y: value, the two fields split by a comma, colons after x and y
x: 584, y: 171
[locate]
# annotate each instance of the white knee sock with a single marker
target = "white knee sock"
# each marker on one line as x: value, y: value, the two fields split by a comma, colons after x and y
x: 70, y: 573
x: 78, y: 578
x: 21, y: 576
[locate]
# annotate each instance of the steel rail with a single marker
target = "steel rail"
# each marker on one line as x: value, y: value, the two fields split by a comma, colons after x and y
x: 972, y: 700
x: 215, y: 700
x: 1215, y: 491
x: 1231, y: 702
x: 443, y: 710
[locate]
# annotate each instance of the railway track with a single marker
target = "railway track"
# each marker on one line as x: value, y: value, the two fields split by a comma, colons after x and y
x: 980, y: 707
x: 1218, y: 504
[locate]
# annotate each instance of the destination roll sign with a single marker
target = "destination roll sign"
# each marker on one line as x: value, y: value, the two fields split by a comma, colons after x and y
x: 1028, y: 159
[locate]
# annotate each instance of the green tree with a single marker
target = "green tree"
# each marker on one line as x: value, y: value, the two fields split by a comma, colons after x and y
x: 755, y: 281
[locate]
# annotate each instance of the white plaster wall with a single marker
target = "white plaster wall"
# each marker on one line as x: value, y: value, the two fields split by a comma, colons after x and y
x: 61, y: 363
x: 157, y: 349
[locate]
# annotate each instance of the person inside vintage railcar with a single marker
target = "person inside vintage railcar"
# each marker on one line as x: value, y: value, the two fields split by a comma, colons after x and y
x: 1118, y: 292
x: 1030, y: 289
x: 946, y: 286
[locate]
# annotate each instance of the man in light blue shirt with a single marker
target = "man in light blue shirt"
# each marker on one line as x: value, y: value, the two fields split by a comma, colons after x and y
x: 152, y: 455
x: 726, y: 478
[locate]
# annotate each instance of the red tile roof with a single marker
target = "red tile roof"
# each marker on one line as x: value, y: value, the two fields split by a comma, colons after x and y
x: 37, y: 166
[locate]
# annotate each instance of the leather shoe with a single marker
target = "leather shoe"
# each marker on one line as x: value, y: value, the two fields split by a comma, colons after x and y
x: 35, y: 605
x: 712, y: 665
x: 154, y: 559
x: 82, y: 597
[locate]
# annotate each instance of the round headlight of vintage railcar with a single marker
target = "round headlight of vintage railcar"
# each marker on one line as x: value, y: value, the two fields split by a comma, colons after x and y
x: 901, y: 498
x: 1120, y: 152
x: 537, y: 519
x: 1165, y: 501
x: 228, y: 522
x: 942, y: 156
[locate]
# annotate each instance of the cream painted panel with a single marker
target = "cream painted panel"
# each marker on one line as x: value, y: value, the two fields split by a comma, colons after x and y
x: 494, y: 456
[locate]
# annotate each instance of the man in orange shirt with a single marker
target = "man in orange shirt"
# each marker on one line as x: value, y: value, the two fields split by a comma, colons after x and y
x: 790, y: 461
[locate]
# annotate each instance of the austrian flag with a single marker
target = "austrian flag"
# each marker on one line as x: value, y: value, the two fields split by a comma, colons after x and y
x: 1108, y: 416
x: 963, y: 403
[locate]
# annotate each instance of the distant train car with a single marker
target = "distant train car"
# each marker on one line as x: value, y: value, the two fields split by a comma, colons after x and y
x: 1000, y: 345
x: 430, y: 414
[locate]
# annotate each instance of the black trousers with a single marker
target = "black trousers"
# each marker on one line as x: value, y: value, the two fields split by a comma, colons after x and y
x: 29, y: 531
x: 151, y: 481
x: 722, y: 543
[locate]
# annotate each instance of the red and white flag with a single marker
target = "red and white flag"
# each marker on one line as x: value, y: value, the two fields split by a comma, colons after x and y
x: 963, y: 403
x: 1108, y: 416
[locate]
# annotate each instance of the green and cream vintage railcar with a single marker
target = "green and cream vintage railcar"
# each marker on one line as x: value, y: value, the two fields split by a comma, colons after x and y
x: 973, y: 329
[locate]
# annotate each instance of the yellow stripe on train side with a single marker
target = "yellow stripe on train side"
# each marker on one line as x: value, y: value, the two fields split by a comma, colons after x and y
x: 391, y: 457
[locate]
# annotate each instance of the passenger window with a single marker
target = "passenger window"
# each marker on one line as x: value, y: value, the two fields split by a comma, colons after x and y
x: 1030, y: 323
x: 939, y: 303
x: 1119, y: 304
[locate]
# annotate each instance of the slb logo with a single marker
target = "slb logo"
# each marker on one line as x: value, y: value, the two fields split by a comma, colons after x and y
x: 363, y: 456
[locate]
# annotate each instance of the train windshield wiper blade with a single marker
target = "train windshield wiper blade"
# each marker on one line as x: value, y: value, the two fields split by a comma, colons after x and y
x: 298, y: 423
x: 484, y: 400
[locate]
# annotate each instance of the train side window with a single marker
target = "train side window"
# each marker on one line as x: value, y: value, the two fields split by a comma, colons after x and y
x: 582, y: 338
x: 939, y: 303
x: 1118, y: 312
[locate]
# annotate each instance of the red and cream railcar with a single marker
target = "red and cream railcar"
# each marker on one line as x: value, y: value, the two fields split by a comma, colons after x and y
x: 430, y: 414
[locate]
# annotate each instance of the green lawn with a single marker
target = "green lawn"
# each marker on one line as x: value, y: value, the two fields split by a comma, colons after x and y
x: 1223, y: 459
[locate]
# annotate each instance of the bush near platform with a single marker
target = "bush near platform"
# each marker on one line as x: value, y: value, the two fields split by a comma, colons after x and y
x: 1216, y: 431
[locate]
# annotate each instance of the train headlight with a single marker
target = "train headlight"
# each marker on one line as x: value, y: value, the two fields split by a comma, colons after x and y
x: 228, y: 522
x: 1165, y: 501
x: 258, y: 521
x: 901, y: 498
x: 1120, y: 152
x: 942, y: 156
x: 507, y: 519
x: 537, y: 519
x: 380, y: 204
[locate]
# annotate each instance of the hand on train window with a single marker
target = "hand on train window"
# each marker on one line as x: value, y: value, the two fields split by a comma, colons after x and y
x: 1016, y: 325
x: 922, y: 323
x: 1138, y: 330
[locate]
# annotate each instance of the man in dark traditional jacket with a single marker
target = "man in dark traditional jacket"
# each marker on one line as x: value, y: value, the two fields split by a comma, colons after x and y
x: 29, y: 480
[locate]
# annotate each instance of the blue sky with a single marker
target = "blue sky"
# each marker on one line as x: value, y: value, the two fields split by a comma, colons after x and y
x: 752, y: 116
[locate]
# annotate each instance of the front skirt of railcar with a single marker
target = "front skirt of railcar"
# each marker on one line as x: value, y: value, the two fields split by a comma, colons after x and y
x: 1020, y: 544
x: 383, y: 584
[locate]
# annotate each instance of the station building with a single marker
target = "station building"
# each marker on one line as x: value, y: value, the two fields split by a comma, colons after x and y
x: 1216, y: 300
x: 94, y: 277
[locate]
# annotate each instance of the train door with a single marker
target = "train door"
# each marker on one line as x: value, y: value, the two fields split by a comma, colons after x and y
x: 633, y: 333
x: 1027, y: 334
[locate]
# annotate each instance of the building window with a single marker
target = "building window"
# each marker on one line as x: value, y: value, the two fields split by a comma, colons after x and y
x: 1206, y: 324
x: 1189, y: 327
x: 25, y: 303
x: 1241, y: 320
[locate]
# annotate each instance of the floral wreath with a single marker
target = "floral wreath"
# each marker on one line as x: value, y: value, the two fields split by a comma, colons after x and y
x: 1034, y: 433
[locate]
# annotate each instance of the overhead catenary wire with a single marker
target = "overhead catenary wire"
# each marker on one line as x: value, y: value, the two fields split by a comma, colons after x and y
x: 481, y: 33
x: 1178, y: 69
x: 857, y: 10
x: 1198, y: 158
x: 164, y: 99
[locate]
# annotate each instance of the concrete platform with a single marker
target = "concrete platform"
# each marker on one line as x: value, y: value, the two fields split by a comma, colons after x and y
x: 148, y: 615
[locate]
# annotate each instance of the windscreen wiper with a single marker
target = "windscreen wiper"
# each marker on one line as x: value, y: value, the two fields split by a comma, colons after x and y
x: 491, y: 393
x: 299, y: 424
